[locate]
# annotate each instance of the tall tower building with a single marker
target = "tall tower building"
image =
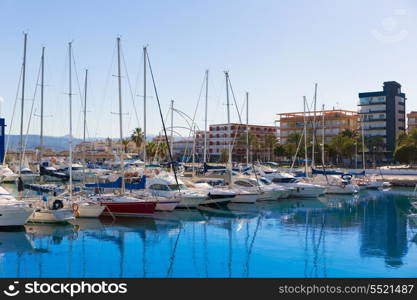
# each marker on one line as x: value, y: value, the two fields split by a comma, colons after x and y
x: 382, y: 115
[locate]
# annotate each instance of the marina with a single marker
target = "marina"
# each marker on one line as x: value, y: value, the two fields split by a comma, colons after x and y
x: 230, y: 139
x: 366, y: 235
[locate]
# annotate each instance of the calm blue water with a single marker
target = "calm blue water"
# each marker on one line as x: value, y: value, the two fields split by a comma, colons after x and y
x: 338, y: 236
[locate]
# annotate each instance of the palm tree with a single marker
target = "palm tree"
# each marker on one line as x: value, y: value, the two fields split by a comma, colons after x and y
x: 270, y: 142
x: 150, y: 149
x: 137, y: 137
x: 125, y: 143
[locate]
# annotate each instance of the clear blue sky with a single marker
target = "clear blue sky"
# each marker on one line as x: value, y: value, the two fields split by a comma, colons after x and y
x: 276, y: 50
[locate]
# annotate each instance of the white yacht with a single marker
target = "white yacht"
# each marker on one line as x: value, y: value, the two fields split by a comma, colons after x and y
x: 13, y: 212
x: 300, y: 189
x: 335, y: 184
x: 265, y: 191
x: 166, y: 186
x: 7, y: 175
x: 28, y: 176
x: 215, y: 195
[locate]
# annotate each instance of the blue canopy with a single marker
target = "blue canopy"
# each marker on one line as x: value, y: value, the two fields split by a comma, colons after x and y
x: 118, y: 184
x: 356, y: 173
x: 327, y: 172
x: 107, y: 185
x: 137, y: 186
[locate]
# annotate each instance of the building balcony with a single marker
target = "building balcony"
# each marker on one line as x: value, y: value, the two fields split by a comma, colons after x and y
x: 375, y: 128
x: 371, y: 103
x: 374, y: 120
x: 373, y: 111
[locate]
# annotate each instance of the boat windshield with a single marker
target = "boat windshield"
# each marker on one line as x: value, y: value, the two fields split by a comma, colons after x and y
x: 177, y: 186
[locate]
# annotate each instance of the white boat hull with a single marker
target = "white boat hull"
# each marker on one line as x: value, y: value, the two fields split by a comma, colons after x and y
x: 166, y: 205
x: 15, y: 217
x: 217, y: 201
x: 90, y: 210
x: 341, y: 189
x: 190, y: 202
x: 52, y: 216
x: 245, y: 198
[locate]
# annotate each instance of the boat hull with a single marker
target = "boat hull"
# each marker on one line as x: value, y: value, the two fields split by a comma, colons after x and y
x: 15, y: 217
x: 245, y: 198
x: 52, y: 216
x: 90, y: 210
x: 129, y: 209
x: 166, y: 205
x: 190, y: 202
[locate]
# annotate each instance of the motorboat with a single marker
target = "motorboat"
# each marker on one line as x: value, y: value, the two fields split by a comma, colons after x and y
x: 28, y: 175
x: 335, y: 184
x: 166, y: 186
x: 13, y: 212
x: 215, y: 195
x: 7, y: 175
x: 299, y: 189
x: 266, y: 191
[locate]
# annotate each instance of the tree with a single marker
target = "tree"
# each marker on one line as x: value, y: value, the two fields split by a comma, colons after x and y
x: 406, y: 154
x: 137, y: 137
x: 279, y: 150
x: 224, y: 156
x: 270, y: 141
x: 125, y: 143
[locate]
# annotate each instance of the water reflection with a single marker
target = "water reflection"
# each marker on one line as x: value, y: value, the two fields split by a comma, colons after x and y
x: 301, y: 238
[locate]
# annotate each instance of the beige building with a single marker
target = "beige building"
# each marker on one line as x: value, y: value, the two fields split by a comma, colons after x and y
x: 335, y: 121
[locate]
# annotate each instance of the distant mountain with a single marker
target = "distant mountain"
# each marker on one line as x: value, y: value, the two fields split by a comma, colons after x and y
x: 57, y: 143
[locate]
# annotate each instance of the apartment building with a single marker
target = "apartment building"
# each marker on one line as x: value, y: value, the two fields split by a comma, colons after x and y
x: 220, y: 136
x: 411, y: 120
x: 335, y: 121
x: 382, y: 114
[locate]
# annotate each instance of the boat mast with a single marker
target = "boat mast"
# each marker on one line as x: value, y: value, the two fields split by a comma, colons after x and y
x: 119, y: 75
x: 144, y: 103
x: 229, y: 128
x: 363, y: 145
x: 70, y: 117
x: 172, y: 127
x: 205, y: 121
x: 23, y: 102
x: 247, y: 128
x: 314, y: 127
x: 322, y: 140
x: 85, y: 116
x: 42, y: 89
x: 305, y: 137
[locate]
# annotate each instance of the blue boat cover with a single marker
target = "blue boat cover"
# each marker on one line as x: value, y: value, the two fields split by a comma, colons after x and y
x: 118, y: 184
x: 327, y: 172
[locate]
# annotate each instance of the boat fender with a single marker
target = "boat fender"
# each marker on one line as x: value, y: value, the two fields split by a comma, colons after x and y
x: 75, y: 208
x: 57, y: 204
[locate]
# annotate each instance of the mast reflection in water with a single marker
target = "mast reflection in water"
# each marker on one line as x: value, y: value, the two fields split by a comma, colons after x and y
x: 339, y: 236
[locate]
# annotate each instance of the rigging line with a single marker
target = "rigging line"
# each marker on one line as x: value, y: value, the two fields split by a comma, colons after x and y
x: 79, y: 89
x: 163, y: 123
x: 238, y: 112
x: 31, y: 110
x: 106, y: 84
x: 195, y: 113
x: 130, y: 86
x: 13, y: 115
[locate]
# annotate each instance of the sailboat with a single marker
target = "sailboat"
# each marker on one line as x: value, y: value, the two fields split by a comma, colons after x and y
x: 242, y: 195
x: 53, y: 210
x: 121, y: 204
